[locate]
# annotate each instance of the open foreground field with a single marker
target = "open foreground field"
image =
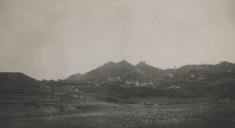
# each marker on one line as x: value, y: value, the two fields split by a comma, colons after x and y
x: 144, y: 113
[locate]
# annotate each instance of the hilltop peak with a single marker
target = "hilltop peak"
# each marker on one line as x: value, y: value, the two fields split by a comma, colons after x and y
x: 225, y: 63
x: 142, y: 63
x: 124, y: 63
x: 110, y: 63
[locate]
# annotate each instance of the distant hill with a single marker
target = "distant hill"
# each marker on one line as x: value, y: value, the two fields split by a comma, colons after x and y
x: 73, y: 78
x: 123, y: 70
x: 198, y: 74
x: 150, y: 72
x: 12, y: 78
x: 196, y: 80
x: 19, y: 84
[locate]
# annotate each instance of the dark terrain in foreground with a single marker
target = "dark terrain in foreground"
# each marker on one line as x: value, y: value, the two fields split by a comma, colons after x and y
x: 120, y: 95
x: 93, y: 113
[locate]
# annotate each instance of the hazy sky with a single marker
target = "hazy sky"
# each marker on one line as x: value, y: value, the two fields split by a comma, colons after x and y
x: 56, y: 38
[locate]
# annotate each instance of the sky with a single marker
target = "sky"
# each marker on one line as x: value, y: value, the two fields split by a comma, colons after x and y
x: 52, y: 39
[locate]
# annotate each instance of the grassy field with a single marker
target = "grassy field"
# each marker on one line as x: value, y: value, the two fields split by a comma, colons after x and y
x: 158, y: 113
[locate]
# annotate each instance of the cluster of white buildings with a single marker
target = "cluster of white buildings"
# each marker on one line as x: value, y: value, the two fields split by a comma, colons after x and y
x: 114, y: 79
x: 130, y: 83
x: 138, y: 83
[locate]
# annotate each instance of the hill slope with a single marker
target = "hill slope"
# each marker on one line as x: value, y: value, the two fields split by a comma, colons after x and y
x: 19, y: 84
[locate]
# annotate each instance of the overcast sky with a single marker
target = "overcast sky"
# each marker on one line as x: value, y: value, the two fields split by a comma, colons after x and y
x: 55, y: 38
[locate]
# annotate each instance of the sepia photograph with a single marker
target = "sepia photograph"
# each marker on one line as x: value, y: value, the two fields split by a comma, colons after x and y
x: 117, y: 63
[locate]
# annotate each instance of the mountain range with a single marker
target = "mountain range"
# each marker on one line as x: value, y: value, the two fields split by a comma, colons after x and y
x: 186, y: 81
x: 145, y: 72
